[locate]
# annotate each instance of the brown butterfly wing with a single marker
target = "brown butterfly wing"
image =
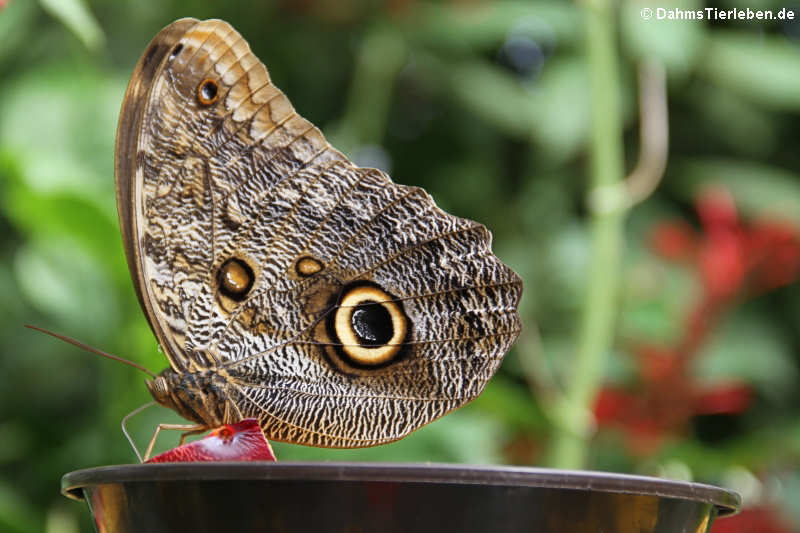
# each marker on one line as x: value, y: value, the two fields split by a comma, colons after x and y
x: 232, y: 173
x: 128, y: 162
x: 187, y: 172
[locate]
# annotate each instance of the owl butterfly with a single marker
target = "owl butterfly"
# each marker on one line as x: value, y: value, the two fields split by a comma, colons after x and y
x: 283, y: 282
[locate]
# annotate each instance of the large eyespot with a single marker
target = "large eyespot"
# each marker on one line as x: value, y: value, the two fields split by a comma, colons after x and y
x: 369, y: 326
x: 207, y: 92
x: 235, y: 278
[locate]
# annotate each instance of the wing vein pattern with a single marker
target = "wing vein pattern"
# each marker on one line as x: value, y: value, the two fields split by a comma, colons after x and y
x: 236, y: 174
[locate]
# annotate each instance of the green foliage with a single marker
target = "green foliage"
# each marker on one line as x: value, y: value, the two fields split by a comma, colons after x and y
x: 486, y: 105
x: 761, y: 190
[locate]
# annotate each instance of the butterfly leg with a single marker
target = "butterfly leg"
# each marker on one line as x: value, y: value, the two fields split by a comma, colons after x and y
x: 196, y: 431
x: 189, y: 428
x: 232, y: 412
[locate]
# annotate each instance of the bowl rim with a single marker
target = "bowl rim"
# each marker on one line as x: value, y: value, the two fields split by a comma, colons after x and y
x: 726, y: 501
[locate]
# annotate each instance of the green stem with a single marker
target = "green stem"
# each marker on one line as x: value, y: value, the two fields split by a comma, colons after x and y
x: 574, y: 424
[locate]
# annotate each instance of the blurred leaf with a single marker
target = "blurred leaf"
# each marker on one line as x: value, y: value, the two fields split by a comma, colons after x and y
x: 656, y: 298
x: 675, y: 43
x: 508, y: 402
x: 381, y: 56
x: 568, y: 261
x: 759, y: 190
x: 470, y: 173
x: 675, y: 469
x: 61, y: 280
x: 765, y: 68
x: 11, y: 301
x: 138, y: 341
x: 557, y: 352
x: 553, y: 110
x: 493, y: 94
x: 561, y: 108
x: 16, y: 515
x: 16, y: 20
x: 48, y: 216
x: 59, y: 122
x: 789, y: 491
x: 486, y: 25
x: 75, y: 15
x: 749, y: 348
x: 709, y: 461
x: 15, y: 437
x: 60, y: 520
x: 544, y: 204
x: 739, y: 123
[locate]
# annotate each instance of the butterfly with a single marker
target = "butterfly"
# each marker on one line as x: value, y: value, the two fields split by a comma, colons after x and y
x: 283, y: 282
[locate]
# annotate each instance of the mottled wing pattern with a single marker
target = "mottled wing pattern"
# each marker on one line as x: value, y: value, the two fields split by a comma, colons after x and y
x: 221, y: 168
x: 193, y: 174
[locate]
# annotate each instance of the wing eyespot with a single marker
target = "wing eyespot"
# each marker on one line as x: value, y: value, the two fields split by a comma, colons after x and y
x: 369, y: 326
x: 307, y: 266
x: 235, y: 278
x: 176, y: 50
x: 207, y: 92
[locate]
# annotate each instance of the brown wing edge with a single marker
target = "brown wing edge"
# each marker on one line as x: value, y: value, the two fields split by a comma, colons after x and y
x: 126, y: 153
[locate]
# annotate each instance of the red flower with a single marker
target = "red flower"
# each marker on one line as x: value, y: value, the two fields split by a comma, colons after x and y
x: 611, y: 403
x: 730, y: 259
x: 774, y: 254
x: 657, y: 363
x: 721, y: 261
x: 729, y: 398
x: 722, y: 264
x: 717, y: 209
x: 674, y: 240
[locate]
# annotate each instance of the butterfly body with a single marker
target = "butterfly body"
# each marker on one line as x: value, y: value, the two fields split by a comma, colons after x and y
x: 283, y: 282
x: 201, y: 397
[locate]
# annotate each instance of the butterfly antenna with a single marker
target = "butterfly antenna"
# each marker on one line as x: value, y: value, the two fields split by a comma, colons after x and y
x: 88, y: 348
x: 125, y: 428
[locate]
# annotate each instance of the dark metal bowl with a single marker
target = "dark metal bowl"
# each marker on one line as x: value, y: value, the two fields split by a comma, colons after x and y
x: 364, y: 497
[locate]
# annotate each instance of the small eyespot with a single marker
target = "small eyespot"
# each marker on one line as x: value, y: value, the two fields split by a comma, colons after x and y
x: 369, y: 327
x: 235, y: 278
x: 176, y: 50
x: 307, y: 266
x: 207, y: 92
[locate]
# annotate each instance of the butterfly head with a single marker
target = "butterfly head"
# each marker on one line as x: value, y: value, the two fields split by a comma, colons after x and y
x: 159, y: 389
x: 198, y: 397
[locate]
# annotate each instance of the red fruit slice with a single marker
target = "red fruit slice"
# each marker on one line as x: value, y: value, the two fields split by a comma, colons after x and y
x: 242, y: 441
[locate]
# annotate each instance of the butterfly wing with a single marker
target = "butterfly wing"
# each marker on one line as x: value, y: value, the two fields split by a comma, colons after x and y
x: 184, y: 179
x: 129, y: 171
x: 341, y: 309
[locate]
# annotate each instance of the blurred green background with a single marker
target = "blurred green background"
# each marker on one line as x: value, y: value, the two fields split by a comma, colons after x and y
x: 692, y: 369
